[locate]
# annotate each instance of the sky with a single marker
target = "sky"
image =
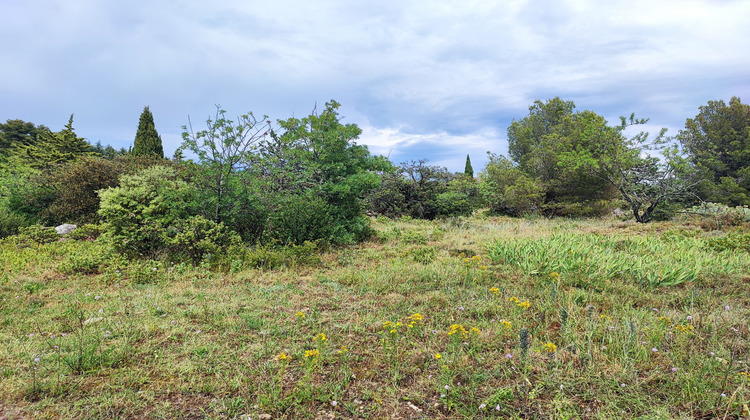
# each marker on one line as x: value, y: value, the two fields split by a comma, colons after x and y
x: 433, y: 80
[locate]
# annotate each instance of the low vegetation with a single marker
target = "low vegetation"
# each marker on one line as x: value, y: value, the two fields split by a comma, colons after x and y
x: 280, y: 270
x: 462, y: 318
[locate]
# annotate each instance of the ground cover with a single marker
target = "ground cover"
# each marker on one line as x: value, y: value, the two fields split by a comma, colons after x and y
x: 463, y: 318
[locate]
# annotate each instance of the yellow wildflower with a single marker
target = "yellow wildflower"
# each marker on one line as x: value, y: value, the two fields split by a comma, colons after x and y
x: 495, y: 291
x: 281, y: 356
x: 312, y: 353
x: 343, y: 350
x: 684, y: 328
x: 524, y: 304
x: 506, y: 324
x: 457, y: 329
x: 513, y: 299
x: 321, y: 337
x: 438, y: 356
x: 550, y: 348
x: 300, y: 315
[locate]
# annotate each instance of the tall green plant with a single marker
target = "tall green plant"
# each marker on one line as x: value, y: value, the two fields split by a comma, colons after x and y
x: 147, y: 139
x: 318, y: 154
x: 224, y: 149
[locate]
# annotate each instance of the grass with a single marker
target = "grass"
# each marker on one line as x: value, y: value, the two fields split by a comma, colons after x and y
x: 469, y: 318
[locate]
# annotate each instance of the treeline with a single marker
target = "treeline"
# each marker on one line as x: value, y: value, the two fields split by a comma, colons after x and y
x: 252, y: 181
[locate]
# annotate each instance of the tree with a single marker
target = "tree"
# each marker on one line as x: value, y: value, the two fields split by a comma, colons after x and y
x: 531, y: 140
x: 224, y: 149
x: 508, y: 190
x: 644, y: 181
x: 147, y: 139
x: 52, y: 148
x: 717, y: 142
x: 18, y: 133
x: 535, y: 144
x: 468, y: 170
x: 318, y: 155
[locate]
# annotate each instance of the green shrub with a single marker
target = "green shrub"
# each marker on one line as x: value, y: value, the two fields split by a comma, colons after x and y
x: 11, y: 222
x: 454, y: 203
x: 300, y: 218
x: 729, y: 242
x: 198, y: 238
x: 87, y: 232
x: 38, y: 234
x: 87, y: 261
x: 413, y: 237
x: 424, y: 254
x: 719, y: 216
x: 271, y: 255
x: 139, y: 211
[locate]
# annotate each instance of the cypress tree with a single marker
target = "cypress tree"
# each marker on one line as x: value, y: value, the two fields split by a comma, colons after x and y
x: 468, y: 170
x: 147, y: 140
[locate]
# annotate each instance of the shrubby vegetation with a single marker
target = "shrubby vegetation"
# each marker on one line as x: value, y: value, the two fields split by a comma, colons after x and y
x: 306, y: 179
x: 250, y: 250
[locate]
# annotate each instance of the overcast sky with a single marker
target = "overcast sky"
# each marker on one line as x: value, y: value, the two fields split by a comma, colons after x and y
x: 423, y: 79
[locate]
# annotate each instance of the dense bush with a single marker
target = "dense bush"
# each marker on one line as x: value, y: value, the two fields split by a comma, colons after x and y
x: 10, y: 222
x: 425, y: 192
x: 300, y: 218
x: 140, y: 210
x: 73, y: 189
x: 197, y: 239
x: 37, y: 234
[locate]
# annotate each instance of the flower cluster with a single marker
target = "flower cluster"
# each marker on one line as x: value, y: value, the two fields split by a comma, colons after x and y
x: 458, y: 329
x: 525, y: 304
x: 684, y: 328
x: 416, y: 319
x: 474, y: 262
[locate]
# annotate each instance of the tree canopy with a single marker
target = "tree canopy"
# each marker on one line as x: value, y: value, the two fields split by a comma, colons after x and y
x: 717, y: 142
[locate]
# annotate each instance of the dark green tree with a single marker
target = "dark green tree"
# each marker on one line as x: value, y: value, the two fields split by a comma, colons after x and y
x: 147, y: 139
x: 15, y: 133
x: 51, y: 149
x: 535, y: 144
x: 468, y: 170
x: 717, y: 142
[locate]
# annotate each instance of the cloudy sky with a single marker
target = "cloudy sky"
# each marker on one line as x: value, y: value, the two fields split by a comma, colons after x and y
x: 423, y: 79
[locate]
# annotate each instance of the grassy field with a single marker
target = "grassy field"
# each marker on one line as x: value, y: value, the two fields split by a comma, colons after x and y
x: 468, y: 318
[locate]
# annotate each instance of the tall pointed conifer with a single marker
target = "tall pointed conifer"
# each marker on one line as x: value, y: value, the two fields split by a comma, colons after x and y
x: 147, y: 139
x: 468, y: 170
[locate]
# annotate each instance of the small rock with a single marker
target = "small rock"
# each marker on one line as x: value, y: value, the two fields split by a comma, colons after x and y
x: 65, y: 229
x: 264, y: 416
